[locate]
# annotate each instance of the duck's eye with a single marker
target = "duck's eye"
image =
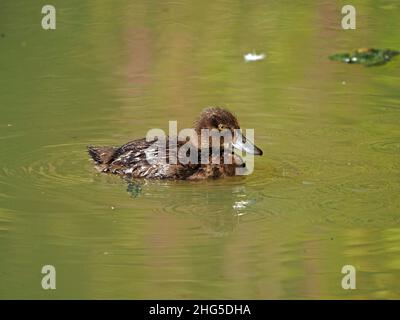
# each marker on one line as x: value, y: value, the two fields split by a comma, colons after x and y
x: 221, y: 127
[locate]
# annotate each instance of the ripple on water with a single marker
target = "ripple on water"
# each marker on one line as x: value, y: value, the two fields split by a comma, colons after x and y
x: 5, y: 221
x: 358, y: 200
x: 53, y: 169
x: 61, y: 172
x: 391, y: 146
x: 219, y: 205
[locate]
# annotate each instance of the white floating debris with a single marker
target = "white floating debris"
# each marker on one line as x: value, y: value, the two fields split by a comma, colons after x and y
x: 240, y: 204
x: 254, y: 57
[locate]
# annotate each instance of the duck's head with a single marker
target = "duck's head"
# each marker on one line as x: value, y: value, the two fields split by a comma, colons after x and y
x: 218, y: 120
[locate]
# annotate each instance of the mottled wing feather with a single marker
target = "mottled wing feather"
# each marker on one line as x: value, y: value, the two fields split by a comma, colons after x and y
x: 133, y: 159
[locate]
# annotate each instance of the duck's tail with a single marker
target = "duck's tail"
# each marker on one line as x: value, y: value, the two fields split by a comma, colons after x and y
x: 102, y: 155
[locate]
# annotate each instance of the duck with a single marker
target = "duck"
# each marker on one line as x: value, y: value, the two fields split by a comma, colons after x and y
x: 141, y: 158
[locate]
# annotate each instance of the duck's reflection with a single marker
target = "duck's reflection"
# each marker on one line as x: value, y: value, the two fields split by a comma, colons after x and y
x: 219, y: 208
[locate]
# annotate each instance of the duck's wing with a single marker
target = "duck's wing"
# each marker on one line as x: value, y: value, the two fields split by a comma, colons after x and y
x: 106, y: 155
x: 141, y: 158
x: 132, y: 147
x: 132, y: 153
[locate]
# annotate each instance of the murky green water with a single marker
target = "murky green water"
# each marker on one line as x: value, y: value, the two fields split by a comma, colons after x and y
x: 325, y: 194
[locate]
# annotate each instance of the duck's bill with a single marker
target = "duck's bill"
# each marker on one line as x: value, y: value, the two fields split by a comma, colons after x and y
x: 243, y: 144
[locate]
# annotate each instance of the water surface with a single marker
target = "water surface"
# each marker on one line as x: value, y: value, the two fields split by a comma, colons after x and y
x: 325, y: 193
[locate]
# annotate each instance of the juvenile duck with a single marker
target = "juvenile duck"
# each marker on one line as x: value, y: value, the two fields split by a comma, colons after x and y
x: 143, y: 159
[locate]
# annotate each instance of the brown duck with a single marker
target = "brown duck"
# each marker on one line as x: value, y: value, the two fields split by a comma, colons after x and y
x: 132, y: 159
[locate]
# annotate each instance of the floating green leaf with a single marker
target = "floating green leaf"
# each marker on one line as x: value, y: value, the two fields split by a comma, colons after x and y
x: 366, y: 56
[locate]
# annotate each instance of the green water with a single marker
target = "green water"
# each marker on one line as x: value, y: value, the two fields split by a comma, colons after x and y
x: 325, y: 194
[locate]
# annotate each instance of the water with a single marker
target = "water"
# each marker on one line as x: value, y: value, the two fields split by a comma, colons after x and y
x: 325, y: 193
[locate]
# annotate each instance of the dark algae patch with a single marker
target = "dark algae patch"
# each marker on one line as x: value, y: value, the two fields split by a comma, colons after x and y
x: 366, y: 56
x: 134, y: 189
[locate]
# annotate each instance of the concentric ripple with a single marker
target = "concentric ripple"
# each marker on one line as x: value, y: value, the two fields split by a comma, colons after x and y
x: 391, y: 146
